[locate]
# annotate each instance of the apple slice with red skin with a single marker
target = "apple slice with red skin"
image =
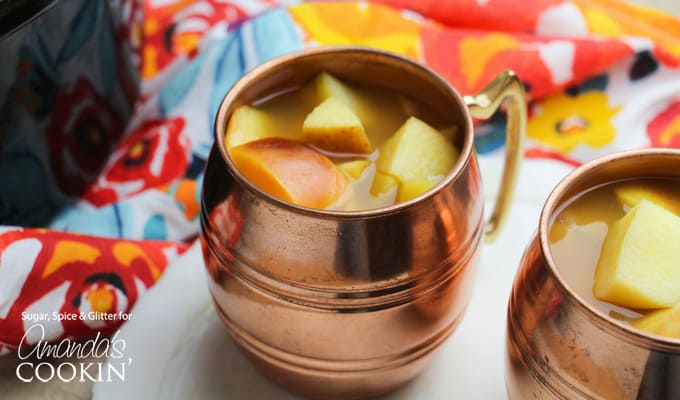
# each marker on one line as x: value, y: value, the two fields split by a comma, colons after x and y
x: 291, y: 171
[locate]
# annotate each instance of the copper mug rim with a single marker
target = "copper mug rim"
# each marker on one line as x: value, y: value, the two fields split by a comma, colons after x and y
x: 242, y: 84
x: 553, y: 203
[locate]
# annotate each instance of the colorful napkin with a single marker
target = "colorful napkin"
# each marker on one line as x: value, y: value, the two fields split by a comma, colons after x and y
x: 101, y: 167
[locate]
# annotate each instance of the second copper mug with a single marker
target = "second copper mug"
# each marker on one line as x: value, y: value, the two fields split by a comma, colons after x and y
x: 344, y: 305
x: 561, y: 347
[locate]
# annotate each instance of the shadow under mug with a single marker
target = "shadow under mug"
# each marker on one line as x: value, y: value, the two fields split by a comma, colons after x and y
x: 333, y: 304
x: 561, y: 347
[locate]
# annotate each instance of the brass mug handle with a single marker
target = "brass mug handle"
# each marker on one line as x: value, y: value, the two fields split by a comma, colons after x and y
x: 483, y: 106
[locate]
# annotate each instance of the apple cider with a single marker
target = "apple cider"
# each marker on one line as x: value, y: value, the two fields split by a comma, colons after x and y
x: 618, y: 247
x: 332, y: 145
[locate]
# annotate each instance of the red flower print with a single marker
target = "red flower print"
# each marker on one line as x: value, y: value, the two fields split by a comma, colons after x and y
x: 227, y: 219
x: 154, y: 155
x: 471, y: 59
x: 176, y: 29
x: 226, y: 222
x: 81, y: 133
x: 664, y: 129
x: 75, y: 274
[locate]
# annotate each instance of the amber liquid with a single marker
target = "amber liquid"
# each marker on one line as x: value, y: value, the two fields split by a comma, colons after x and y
x: 578, y: 232
x: 394, y: 108
x: 290, y: 108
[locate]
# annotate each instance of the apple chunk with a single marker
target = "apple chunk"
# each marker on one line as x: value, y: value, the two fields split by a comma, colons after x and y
x: 639, y: 266
x: 662, y: 322
x: 383, y: 183
x: 332, y: 126
x: 248, y: 124
x: 290, y: 171
x: 418, y: 156
x: 630, y: 194
x: 415, y: 187
x: 380, y: 115
x: 326, y: 85
x: 354, y: 168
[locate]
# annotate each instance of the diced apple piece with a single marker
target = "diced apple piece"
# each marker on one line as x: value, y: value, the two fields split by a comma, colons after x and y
x: 381, y: 115
x: 416, y: 152
x: 662, y: 322
x: 290, y: 171
x: 332, y: 126
x: 354, y: 168
x: 414, y: 109
x: 383, y: 183
x: 630, y: 194
x: 248, y: 124
x: 326, y: 85
x: 414, y: 188
x: 639, y: 266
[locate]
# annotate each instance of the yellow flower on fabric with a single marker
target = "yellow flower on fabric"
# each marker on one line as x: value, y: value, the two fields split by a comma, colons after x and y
x: 565, y: 122
x: 359, y: 24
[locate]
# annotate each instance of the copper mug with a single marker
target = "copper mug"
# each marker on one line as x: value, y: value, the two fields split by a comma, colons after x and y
x: 333, y: 304
x: 561, y: 347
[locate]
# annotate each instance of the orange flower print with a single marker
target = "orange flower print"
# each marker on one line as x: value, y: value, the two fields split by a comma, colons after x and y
x: 372, y: 25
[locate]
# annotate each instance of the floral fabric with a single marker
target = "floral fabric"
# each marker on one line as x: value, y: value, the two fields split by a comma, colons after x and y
x: 108, y: 122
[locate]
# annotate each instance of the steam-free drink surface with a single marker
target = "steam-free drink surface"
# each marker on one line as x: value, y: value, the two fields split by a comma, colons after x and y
x: 334, y: 145
x: 618, y: 247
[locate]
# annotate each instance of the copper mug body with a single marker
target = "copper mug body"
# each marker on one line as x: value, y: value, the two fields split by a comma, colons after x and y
x: 333, y: 304
x: 560, y: 347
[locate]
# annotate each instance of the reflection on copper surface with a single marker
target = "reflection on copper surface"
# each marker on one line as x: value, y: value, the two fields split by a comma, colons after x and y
x: 559, y: 346
x: 342, y: 305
